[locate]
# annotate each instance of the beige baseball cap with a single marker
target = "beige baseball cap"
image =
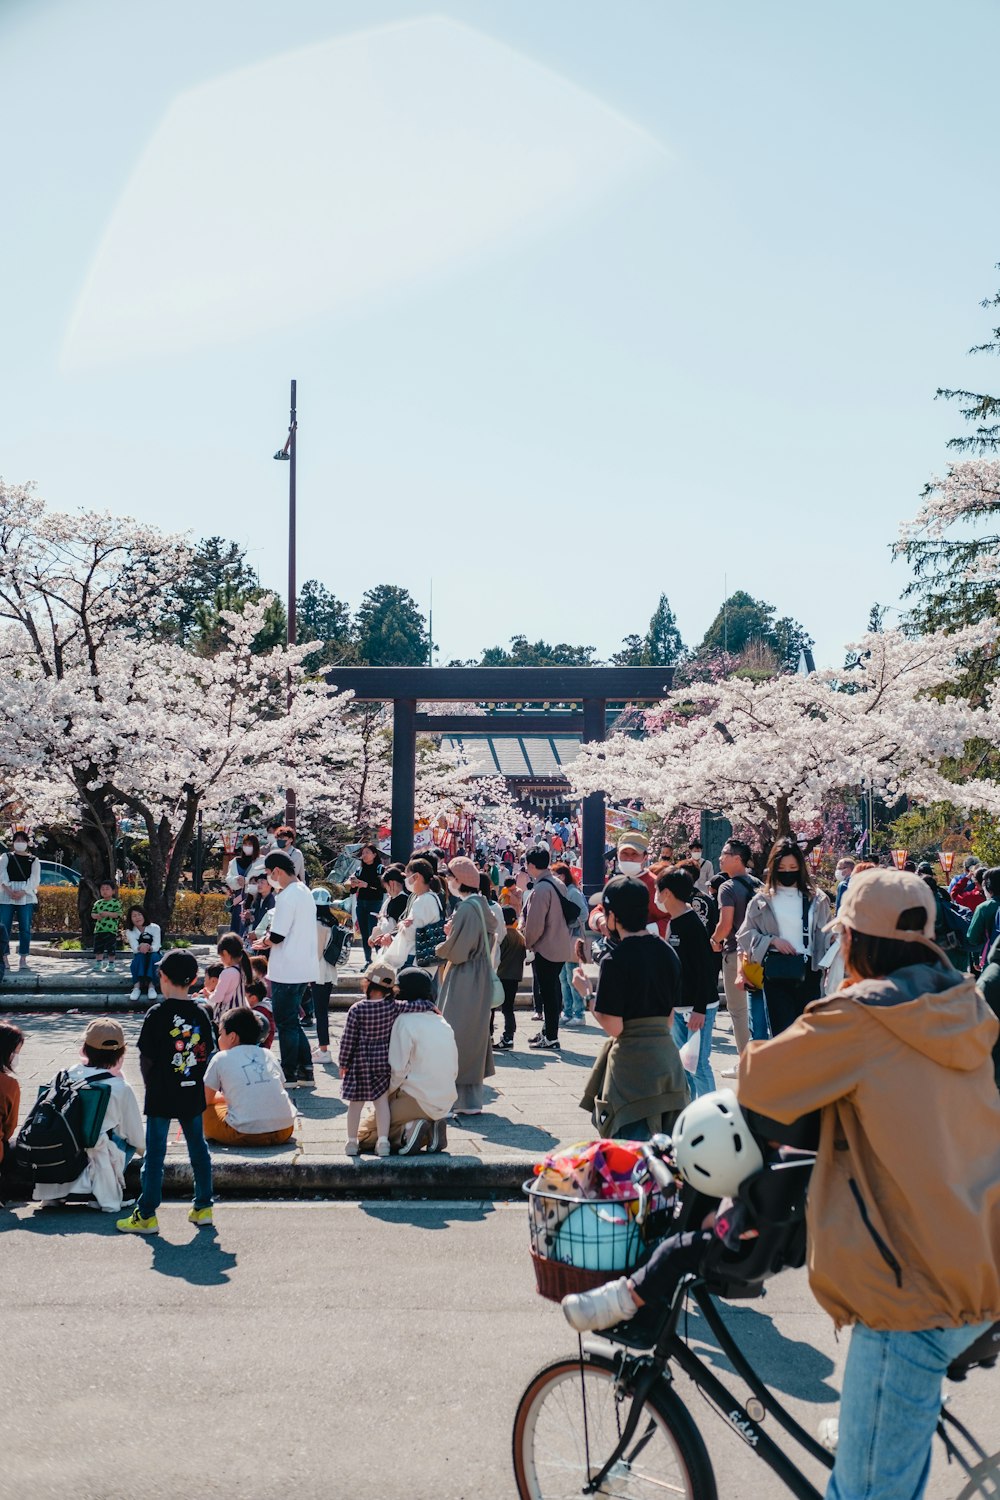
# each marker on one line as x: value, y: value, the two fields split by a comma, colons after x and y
x: 104, y: 1035
x: 633, y: 840
x: 875, y: 900
x: 381, y: 974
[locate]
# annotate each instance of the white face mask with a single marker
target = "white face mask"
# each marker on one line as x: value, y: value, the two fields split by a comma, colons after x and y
x: 455, y: 889
x: 20, y: 847
x: 410, y: 883
x: 629, y: 866
x: 248, y: 848
x: 252, y: 888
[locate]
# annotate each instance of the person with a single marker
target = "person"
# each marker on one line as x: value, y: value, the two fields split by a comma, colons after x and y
x: 258, y: 964
x: 632, y: 851
x: 964, y: 890
x: 699, y: 1003
x: 487, y: 892
x: 393, y: 906
x: 423, y: 1062
x: 466, y: 994
x: 951, y: 932
x: 292, y: 963
x: 785, y: 929
x: 261, y: 1006
x: 988, y: 985
x: 510, y: 971
x: 364, y: 1056
x: 982, y: 926
x: 637, y: 1086
x: 209, y: 984
x: 245, y: 1100
x: 705, y: 870
x: 122, y: 1134
x: 573, y: 1008
x: 327, y: 975
x: 734, y: 896
x: 11, y: 1042
x: 144, y: 941
x: 546, y: 933
x: 903, y: 1212
x: 20, y: 877
x: 425, y: 908
x: 257, y: 907
x: 107, y: 914
x: 845, y: 867
x: 236, y: 872
x: 366, y: 883
x: 284, y: 843
x: 175, y: 1044
x: 230, y: 990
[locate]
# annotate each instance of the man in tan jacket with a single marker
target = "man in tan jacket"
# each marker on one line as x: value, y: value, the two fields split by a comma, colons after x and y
x: 904, y: 1201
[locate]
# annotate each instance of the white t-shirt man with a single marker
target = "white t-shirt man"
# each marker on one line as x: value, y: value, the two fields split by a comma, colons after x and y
x: 252, y: 1083
x: 294, y: 960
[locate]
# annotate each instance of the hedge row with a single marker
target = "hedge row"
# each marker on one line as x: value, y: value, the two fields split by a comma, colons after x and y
x: 205, y: 914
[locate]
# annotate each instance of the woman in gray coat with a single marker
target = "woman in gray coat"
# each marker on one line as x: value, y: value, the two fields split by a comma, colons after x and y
x: 785, y: 930
x: 467, y: 984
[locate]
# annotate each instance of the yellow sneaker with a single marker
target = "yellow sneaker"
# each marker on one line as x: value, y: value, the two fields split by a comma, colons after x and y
x: 200, y: 1216
x: 136, y: 1224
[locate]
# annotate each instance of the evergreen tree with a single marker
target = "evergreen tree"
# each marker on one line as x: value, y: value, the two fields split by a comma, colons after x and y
x: 389, y: 630
x: 663, y: 646
x: 218, y: 569
x: 525, y: 653
x: 631, y: 652
x: 321, y: 616
x: 744, y: 622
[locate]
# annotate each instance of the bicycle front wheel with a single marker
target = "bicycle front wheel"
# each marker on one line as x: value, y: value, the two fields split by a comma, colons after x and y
x: 570, y: 1420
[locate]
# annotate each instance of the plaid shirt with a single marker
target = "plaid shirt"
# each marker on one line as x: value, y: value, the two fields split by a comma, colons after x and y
x: 364, y: 1049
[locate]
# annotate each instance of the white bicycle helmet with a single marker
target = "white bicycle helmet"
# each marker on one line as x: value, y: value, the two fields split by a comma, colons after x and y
x: 319, y: 893
x: 713, y: 1147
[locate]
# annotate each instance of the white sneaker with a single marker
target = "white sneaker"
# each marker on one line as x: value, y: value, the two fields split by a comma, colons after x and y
x: 602, y: 1308
x: 322, y: 1055
x: 136, y: 992
x: 733, y: 1072
x: 151, y: 992
x: 382, y: 1146
x: 352, y: 1148
x: 829, y: 1433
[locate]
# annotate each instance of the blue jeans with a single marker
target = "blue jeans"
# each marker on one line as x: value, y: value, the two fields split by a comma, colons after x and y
x: 293, y: 1044
x: 573, y: 1006
x: 143, y: 967
x: 702, y: 1080
x: 889, y: 1410
x: 24, y: 911
x: 760, y: 1031
x: 157, y: 1135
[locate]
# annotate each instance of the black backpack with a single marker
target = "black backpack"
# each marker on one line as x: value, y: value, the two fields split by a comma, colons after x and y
x: 571, y: 912
x: 66, y: 1119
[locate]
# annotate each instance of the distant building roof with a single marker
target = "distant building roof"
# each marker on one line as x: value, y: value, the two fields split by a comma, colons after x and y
x: 527, y: 758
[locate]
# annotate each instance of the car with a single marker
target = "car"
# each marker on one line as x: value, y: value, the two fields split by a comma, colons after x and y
x: 53, y: 874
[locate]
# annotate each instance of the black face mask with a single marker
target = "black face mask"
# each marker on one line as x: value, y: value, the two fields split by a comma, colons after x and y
x: 787, y: 877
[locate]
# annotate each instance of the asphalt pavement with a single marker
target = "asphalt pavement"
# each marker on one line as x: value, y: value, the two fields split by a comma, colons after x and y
x: 329, y: 1350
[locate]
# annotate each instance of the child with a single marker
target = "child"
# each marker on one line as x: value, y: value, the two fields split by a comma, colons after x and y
x: 230, y: 990
x: 509, y: 972
x: 364, y: 1055
x: 174, y: 1047
x: 244, y: 1088
x: 258, y: 964
x: 107, y: 913
x: 103, y: 1178
x: 261, y: 1007
x: 213, y: 973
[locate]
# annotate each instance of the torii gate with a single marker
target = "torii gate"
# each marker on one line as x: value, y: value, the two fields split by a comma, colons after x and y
x: 591, y: 687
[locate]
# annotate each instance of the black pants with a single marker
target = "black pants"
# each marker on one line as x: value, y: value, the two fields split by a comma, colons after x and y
x: 105, y: 943
x: 548, y: 993
x: 367, y: 912
x: 787, y: 998
x: 657, y: 1280
x: 321, y: 1005
x: 509, y: 995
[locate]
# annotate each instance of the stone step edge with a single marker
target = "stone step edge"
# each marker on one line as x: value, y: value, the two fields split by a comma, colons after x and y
x: 61, y: 999
x: 303, y: 1176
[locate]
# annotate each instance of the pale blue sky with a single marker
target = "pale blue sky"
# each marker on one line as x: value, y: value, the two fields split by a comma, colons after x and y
x: 586, y: 301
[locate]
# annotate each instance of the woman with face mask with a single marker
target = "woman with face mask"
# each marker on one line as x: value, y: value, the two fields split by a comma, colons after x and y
x: 237, y: 874
x: 20, y: 875
x: 784, y: 930
x: 425, y: 907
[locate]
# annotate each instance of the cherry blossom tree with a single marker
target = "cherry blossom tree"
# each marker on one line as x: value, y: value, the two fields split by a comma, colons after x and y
x: 768, y: 753
x: 953, y: 545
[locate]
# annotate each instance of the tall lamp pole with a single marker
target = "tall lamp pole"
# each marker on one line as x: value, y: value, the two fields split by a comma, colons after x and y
x: 287, y: 453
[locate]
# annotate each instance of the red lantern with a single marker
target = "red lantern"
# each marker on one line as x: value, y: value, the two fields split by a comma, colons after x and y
x: 946, y: 859
x: 815, y: 859
x: 899, y: 857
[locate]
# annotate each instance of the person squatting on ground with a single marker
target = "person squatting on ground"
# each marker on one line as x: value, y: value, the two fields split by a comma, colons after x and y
x: 365, y: 1073
x: 174, y: 1046
x: 245, y: 1099
x: 423, y: 1060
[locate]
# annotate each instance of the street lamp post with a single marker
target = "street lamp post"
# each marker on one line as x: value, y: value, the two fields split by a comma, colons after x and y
x: 287, y: 453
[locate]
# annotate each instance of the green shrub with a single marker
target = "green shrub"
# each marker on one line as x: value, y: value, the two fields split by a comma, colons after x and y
x: 203, y: 915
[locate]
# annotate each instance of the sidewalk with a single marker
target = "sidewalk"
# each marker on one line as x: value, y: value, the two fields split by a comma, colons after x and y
x: 532, y: 1106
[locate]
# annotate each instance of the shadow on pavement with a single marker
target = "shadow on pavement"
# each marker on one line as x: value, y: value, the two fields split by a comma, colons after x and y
x: 786, y: 1364
x: 984, y: 1479
x: 504, y: 1132
x: 75, y: 1219
x: 427, y: 1215
x: 200, y: 1262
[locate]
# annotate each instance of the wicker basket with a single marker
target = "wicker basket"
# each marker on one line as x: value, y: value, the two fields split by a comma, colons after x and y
x: 556, y: 1255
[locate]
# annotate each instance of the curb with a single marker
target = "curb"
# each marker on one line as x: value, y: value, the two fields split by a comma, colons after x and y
x: 60, y: 1001
x: 335, y: 1177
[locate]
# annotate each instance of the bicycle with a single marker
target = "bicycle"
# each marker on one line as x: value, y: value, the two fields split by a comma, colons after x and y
x: 612, y: 1424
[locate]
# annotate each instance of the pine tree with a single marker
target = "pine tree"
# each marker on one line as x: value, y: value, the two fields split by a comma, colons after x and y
x: 663, y: 646
x: 389, y: 630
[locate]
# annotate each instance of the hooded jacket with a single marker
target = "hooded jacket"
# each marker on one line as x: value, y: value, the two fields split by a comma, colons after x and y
x: 904, y: 1201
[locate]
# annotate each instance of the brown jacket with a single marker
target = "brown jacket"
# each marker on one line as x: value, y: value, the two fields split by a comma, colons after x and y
x: 904, y: 1202
x: 543, y: 924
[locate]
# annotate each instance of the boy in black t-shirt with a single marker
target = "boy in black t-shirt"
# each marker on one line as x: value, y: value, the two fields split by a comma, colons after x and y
x: 175, y: 1044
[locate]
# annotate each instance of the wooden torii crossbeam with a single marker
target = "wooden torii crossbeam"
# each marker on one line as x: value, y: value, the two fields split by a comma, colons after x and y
x: 590, y: 687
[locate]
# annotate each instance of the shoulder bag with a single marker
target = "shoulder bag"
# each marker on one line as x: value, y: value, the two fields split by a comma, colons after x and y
x: 496, y: 991
x: 792, y: 967
x: 427, y: 938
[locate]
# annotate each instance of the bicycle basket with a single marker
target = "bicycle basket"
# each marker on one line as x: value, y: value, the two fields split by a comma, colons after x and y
x: 578, y: 1243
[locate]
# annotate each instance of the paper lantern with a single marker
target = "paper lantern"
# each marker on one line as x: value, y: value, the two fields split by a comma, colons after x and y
x: 899, y: 857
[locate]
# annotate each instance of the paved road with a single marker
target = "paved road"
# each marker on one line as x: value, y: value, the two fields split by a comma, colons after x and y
x: 319, y: 1351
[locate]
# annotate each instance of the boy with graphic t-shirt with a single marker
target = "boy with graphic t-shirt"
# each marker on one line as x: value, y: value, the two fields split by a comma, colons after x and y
x: 175, y: 1044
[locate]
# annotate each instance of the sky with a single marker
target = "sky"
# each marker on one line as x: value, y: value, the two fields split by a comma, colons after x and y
x: 585, y: 302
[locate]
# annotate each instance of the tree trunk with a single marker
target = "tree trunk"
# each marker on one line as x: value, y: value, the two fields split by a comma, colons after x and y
x: 167, y: 853
x: 783, y: 830
x: 91, y: 846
